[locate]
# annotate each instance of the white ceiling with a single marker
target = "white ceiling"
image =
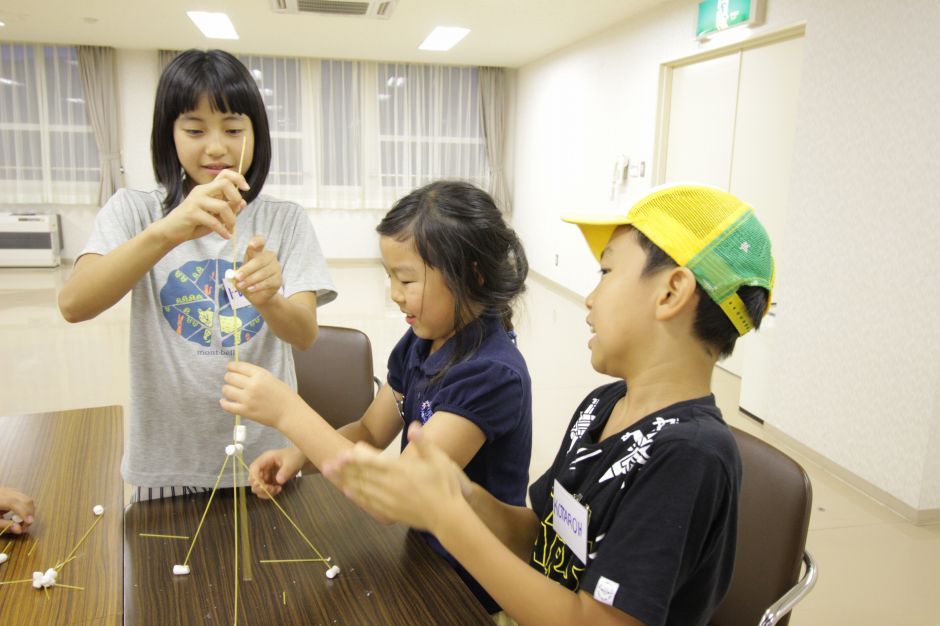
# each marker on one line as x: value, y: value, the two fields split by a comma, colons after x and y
x: 503, y: 32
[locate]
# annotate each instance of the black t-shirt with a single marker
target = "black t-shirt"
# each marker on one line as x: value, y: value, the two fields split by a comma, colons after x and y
x: 662, y: 497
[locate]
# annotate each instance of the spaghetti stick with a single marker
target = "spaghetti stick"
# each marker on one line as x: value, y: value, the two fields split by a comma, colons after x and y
x: 208, y: 504
x: 242, y: 495
x: 235, y: 507
x: 288, y: 517
x: 163, y: 536
x: 80, y: 542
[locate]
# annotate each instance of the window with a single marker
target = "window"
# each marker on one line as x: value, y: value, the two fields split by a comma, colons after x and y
x: 430, y: 125
x: 348, y: 134
x: 48, y: 152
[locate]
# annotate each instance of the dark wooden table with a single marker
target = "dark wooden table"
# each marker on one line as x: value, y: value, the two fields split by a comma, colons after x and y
x: 389, y: 575
x: 68, y: 462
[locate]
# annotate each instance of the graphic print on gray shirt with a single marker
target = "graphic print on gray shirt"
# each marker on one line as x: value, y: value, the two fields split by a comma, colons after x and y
x: 182, y: 335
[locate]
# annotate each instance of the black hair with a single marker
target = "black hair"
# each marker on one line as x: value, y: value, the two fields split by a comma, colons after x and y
x: 230, y: 89
x: 459, y: 231
x: 712, y: 327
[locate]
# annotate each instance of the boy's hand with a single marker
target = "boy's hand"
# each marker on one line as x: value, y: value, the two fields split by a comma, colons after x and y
x: 208, y: 208
x: 257, y: 394
x: 18, y: 503
x: 274, y: 468
x: 259, y: 279
x: 418, y: 491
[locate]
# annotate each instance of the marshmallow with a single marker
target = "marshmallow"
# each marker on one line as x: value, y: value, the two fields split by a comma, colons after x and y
x: 3, y: 557
x: 47, y: 581
x: 239, y: 447
x: 51, y: 573
x: 98, y: 510
x: 181, y: 570
x: 17, y: 519
x: 37, y: 580
x: 229, y: 274
x: 332, y: 572
x: 239, y: 434
x: 230, y: 449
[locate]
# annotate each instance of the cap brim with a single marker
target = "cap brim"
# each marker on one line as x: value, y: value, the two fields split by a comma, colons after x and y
x: 597, y: 228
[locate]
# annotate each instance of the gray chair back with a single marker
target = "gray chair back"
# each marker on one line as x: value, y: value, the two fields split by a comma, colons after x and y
x: 773, y: 519
x: 334, y: 376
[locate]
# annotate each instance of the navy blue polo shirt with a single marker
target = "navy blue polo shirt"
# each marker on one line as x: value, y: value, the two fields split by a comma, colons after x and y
x: 490, y: 388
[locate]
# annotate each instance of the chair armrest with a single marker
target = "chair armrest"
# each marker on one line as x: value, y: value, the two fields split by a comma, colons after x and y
x: 796, y: 593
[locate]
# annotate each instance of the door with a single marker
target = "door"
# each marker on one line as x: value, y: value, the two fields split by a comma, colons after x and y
x: 731, y: 123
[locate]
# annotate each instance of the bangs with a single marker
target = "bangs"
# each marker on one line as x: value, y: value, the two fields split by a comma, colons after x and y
x: 224, y: 86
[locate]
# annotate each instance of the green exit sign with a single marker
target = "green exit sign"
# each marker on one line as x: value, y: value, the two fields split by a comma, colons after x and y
x: 719, y: 15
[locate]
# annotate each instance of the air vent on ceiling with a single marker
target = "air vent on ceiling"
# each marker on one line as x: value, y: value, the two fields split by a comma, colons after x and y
x: 380, y: 9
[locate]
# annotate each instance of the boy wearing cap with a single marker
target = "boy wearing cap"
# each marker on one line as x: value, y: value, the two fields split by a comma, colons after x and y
x: 636, y: 518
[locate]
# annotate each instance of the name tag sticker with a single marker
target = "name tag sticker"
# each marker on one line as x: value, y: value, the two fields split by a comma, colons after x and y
x: 234, y: 295
x: 570, y: 519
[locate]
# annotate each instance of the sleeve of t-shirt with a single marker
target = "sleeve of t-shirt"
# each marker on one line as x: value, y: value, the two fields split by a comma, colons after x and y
x: 303, y: 266
x: 661, y: 531
x: 396, y: 361
x: 118, y: 221
x: 486, y: 392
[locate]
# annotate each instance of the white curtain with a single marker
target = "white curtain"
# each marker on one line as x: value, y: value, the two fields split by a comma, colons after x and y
x: 47, y: 146
x: 494, y: 99
x: 359, y: 135
x: 96, y: 67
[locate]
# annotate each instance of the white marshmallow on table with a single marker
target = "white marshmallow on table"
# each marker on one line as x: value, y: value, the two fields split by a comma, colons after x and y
x: 46, y: 579
x: 98, y: 509
x: 332, y: 572
x: 230, y: 449
x: 3, y: 557
x: 239, y: 433
x: 181, y: 570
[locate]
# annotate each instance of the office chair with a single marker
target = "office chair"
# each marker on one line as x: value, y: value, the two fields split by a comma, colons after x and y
x: 773, y: 519
x: 334, y: 376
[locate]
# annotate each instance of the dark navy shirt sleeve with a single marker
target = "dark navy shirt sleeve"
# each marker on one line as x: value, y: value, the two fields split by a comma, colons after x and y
x: 485, y: 392
x: 397, y: 360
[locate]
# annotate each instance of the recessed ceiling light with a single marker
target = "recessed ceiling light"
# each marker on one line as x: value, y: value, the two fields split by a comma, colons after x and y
x: 444, y: 38
x: 213, y: 25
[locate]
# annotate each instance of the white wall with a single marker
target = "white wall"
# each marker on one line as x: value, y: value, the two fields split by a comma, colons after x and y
x: 858, y: 345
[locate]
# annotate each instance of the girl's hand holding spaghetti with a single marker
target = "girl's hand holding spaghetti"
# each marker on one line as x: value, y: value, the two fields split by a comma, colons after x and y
x: 208, y: 208
x: 259, y: 279
x: 255, y: 393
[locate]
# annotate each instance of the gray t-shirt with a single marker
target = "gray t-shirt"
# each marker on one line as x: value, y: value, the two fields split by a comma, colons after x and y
x: 179, y: 346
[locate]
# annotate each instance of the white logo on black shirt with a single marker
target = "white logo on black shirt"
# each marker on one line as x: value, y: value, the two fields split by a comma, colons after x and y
x: 638, y: 450
x: 585, y: 418
x: 605, y: 590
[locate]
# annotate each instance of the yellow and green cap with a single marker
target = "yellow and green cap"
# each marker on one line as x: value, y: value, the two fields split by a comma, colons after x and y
x: 712, y: 232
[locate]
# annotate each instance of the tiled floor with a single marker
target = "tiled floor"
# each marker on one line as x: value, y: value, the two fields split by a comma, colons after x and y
x: 875, y: 568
